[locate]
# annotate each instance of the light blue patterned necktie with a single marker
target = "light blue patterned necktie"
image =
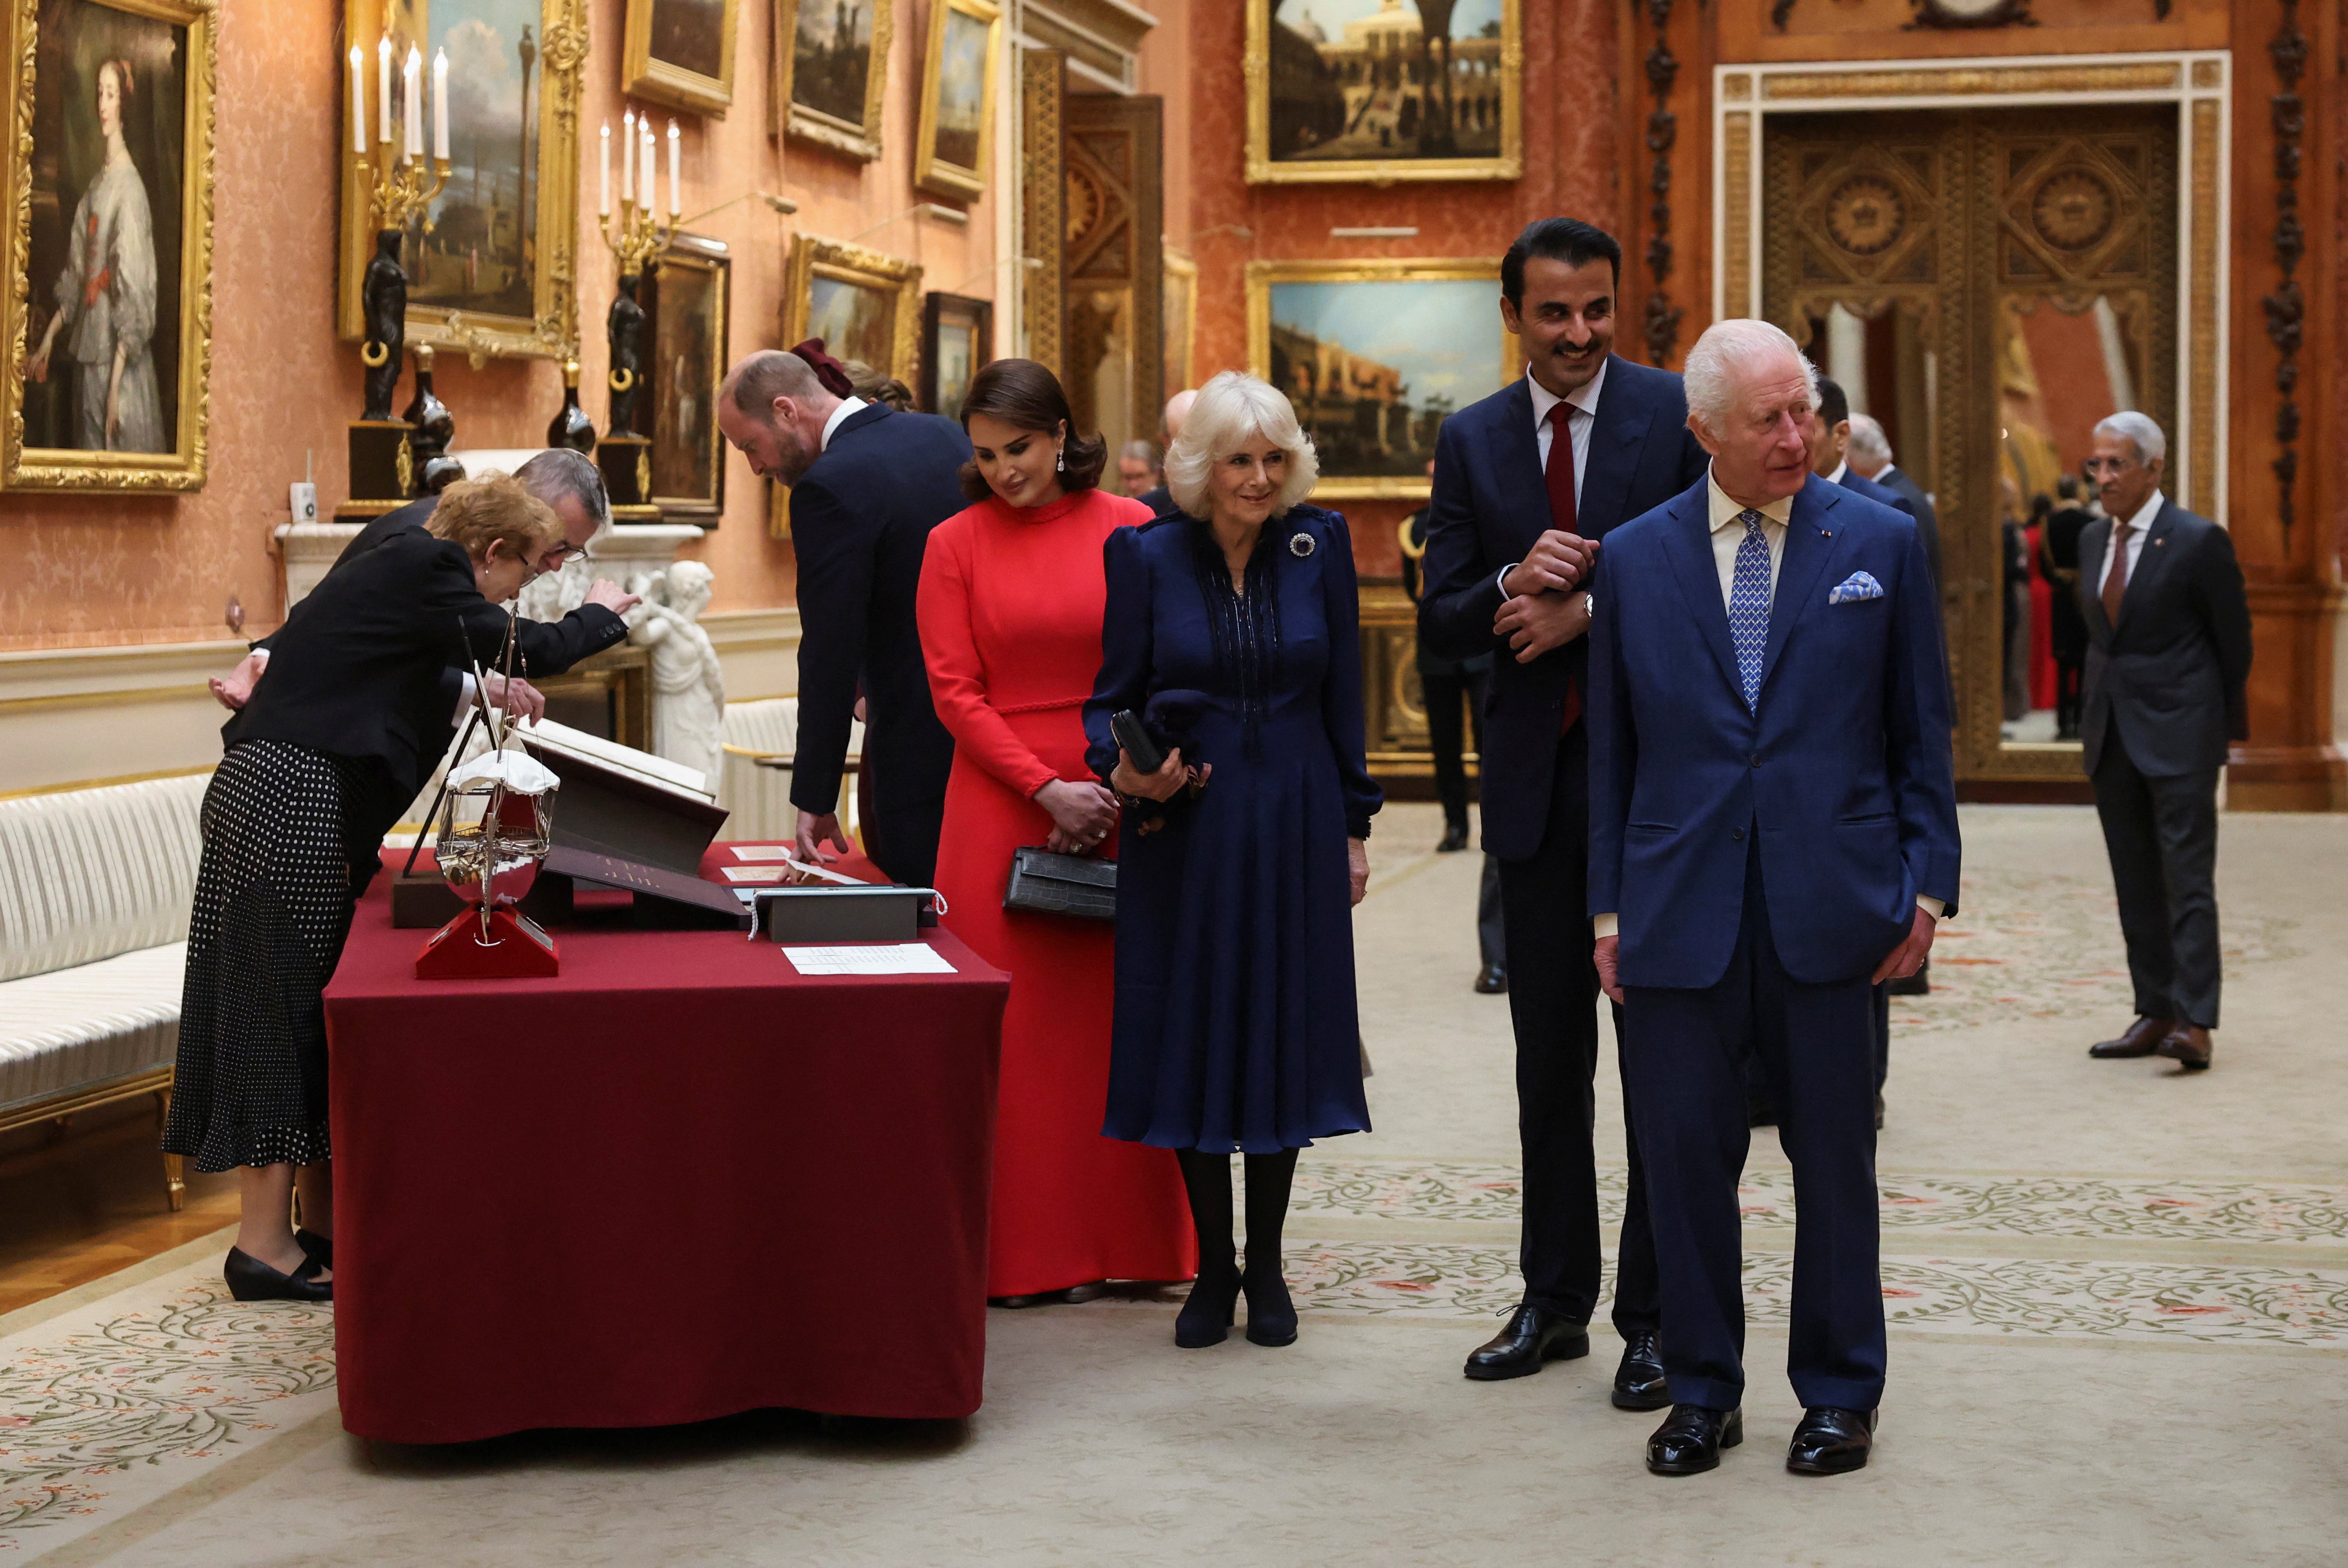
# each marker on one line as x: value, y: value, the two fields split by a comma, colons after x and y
x: 1748, y: 606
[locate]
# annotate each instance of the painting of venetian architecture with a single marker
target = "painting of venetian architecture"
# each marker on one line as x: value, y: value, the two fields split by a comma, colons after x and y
x: 1385, y: 79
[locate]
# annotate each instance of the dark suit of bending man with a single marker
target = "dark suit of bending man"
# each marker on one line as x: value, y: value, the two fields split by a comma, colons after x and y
x: 867, y: 485
x: 1525, y: 483
x: 2169, y: 652
x: 1773, y: 832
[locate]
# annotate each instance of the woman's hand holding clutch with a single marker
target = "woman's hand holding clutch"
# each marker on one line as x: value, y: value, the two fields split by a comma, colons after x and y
x: 1162, y: 785
x: 1082, y: 816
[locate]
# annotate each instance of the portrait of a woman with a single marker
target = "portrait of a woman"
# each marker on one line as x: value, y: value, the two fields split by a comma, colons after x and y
x: 105, y: 295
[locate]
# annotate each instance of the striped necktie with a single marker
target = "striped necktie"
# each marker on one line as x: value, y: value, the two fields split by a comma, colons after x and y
x: 1748, y: 606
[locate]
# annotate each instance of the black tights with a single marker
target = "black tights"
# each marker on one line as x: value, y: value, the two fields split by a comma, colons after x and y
x: 1207, y: 1178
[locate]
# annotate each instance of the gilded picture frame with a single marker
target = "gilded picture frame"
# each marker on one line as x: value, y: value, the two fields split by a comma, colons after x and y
x: 1411, y: 331
x: 680, y: 53
x: 829, y: 90
x: 529, y: 306
x: 688, y: 317
x: 864, y: 306
x: 130, y: 168
x: 1180, y: 321
x: 957, y: 342
x: 956, y: 139
x: 1307, y: 93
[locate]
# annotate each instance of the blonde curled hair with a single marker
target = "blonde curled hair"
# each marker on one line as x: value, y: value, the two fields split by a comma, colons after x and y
x: 477, y: 513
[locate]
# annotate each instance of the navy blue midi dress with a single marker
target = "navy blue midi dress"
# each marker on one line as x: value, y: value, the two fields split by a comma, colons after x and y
x: 1235, y: 1025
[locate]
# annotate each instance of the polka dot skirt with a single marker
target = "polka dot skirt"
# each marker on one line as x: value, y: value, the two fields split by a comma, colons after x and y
x: 274, y: 900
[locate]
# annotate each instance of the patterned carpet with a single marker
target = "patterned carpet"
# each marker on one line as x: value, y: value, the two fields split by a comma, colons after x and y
x: 125, y: 1409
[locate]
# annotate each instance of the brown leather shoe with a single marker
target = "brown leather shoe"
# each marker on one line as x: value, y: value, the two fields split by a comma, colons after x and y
x: 2187, y: 1044
x: 2142, y: 1039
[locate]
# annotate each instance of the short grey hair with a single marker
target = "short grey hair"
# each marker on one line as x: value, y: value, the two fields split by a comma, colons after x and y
x: 560, y: 474
x: 1726, y: 349
x: 1232, y: 408
x: 2142, y: 430
x: 1146, y: 451
x: 1868, y: 441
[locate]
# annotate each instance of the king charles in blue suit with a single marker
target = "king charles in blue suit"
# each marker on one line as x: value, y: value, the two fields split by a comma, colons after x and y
x: 1773, y: 830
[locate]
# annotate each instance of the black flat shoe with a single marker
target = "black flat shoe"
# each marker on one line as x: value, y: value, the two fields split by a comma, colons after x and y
x: 1206, y: 1318
x: 1535, y: 1336
x: 250, y: 1279
x: 316, y: 1245
x: 1272, y: 1315
x: 1831, y: 1441
x: 1691, y: 1437
x: 1492, y: 980
x: 1033, y: 1298
x: 1455, y: 837
x: 1639, y: 1380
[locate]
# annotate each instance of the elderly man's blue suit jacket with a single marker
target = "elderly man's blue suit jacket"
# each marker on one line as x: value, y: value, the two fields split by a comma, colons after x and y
x: 1844, y: 770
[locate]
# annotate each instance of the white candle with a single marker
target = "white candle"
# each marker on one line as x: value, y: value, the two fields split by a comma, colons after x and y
x: 650, y: 184
x: 628, y: 157
x: 440, y: 105
x: 603, y: 207
x: 359, y: 100
x: 676, y: 194
x: 413, y: 104
x: 383, y: 89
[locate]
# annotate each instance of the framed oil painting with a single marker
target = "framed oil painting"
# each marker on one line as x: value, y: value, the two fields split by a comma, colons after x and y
x: 109, y: 235
x: 957, y: 339
x: 950, y: 151
x: 685, y: 324
x: 831, y: 66
x: 863, y: 305
x: 1180, y: 320
x: 1380, y: 90
x: 1374, y: 355
x: 495, y: 272
x: 681, y: 53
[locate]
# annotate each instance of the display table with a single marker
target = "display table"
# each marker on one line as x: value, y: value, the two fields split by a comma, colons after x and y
x: 677, y: 1181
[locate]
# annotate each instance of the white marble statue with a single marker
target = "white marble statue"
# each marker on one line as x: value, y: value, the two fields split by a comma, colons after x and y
x: 689, y: 688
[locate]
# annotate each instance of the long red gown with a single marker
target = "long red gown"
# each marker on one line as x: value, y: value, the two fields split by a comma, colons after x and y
x: 1009, y: 613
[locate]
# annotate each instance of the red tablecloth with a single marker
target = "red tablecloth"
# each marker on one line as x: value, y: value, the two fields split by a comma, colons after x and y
x: 677, y: 1181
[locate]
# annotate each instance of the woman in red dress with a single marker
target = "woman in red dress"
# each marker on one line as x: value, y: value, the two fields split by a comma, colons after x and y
x: 1010, y: 609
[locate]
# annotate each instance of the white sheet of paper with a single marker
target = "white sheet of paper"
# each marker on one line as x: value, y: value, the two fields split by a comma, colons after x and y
x: 762, y: 852
x: 874, y: 958
x: 755, y: 874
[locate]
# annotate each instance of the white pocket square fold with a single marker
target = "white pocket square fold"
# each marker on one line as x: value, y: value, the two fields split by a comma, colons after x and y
x: 1857, y: 586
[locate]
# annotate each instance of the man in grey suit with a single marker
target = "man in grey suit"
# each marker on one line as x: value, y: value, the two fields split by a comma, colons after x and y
x: 2168, y: 630
x: 1869, y: 453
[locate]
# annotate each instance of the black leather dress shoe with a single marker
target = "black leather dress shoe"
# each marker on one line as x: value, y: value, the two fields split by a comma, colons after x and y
x: 1831, y: 1441
x: 1491, y: 980
x: 250, y: 1279
x: 316, y: 1245
x: 2141, y: 1038
x: 1455, y: 837
x: 1691, y: 1437
x: 1639, y: 1380
x: 1535, y: 1336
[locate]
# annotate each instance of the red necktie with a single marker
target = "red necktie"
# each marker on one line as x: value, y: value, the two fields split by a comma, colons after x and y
x: 1560, y: 476
x: 2115, y: 581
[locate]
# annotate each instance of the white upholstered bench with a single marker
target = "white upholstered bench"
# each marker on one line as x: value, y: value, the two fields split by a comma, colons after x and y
x: 759, y: 736
x: 94, y: 886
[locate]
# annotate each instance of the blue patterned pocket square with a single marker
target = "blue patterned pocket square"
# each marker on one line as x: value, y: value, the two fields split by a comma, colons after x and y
x: 1857, y: 586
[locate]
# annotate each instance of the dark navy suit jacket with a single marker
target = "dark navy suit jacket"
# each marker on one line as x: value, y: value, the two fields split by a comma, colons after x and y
x: 1844, y: 771
x: 861, y: 521
x: 1489, y: 504
x: 2170, y: 677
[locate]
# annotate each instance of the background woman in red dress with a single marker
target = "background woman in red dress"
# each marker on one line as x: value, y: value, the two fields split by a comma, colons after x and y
x: 1012, y: 596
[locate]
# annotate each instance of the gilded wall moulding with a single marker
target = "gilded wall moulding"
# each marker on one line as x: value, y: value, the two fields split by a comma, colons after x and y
x: 2286, y: 307
x: 107, y: 310
x: 1968, y: 81
x: 493, y: 266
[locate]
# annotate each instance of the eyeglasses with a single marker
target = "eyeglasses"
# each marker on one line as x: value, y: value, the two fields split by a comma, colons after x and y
x: 554, y: 560
x: 2107, y: 465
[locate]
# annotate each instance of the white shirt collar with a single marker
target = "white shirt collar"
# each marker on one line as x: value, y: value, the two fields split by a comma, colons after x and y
x: 839, y: 416
x: 1585, y: 398
x: 1839, y: 469
x: 1726, y: 512
x: 2146, y: 513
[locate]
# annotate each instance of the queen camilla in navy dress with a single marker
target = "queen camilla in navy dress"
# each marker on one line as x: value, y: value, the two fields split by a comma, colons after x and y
x: 1235, y: 1025
x: 1235, y: 1022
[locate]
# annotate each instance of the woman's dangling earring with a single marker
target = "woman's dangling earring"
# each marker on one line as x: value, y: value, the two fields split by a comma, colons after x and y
x: 1060, y: 460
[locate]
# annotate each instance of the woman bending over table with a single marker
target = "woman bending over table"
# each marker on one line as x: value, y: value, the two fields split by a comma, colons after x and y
x: 1010, y: 611
x: 1235, y: 1028
x: 355, y: 707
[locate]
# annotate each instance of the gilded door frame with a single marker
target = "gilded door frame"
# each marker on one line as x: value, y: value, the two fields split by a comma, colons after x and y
x: 2196, y: 83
